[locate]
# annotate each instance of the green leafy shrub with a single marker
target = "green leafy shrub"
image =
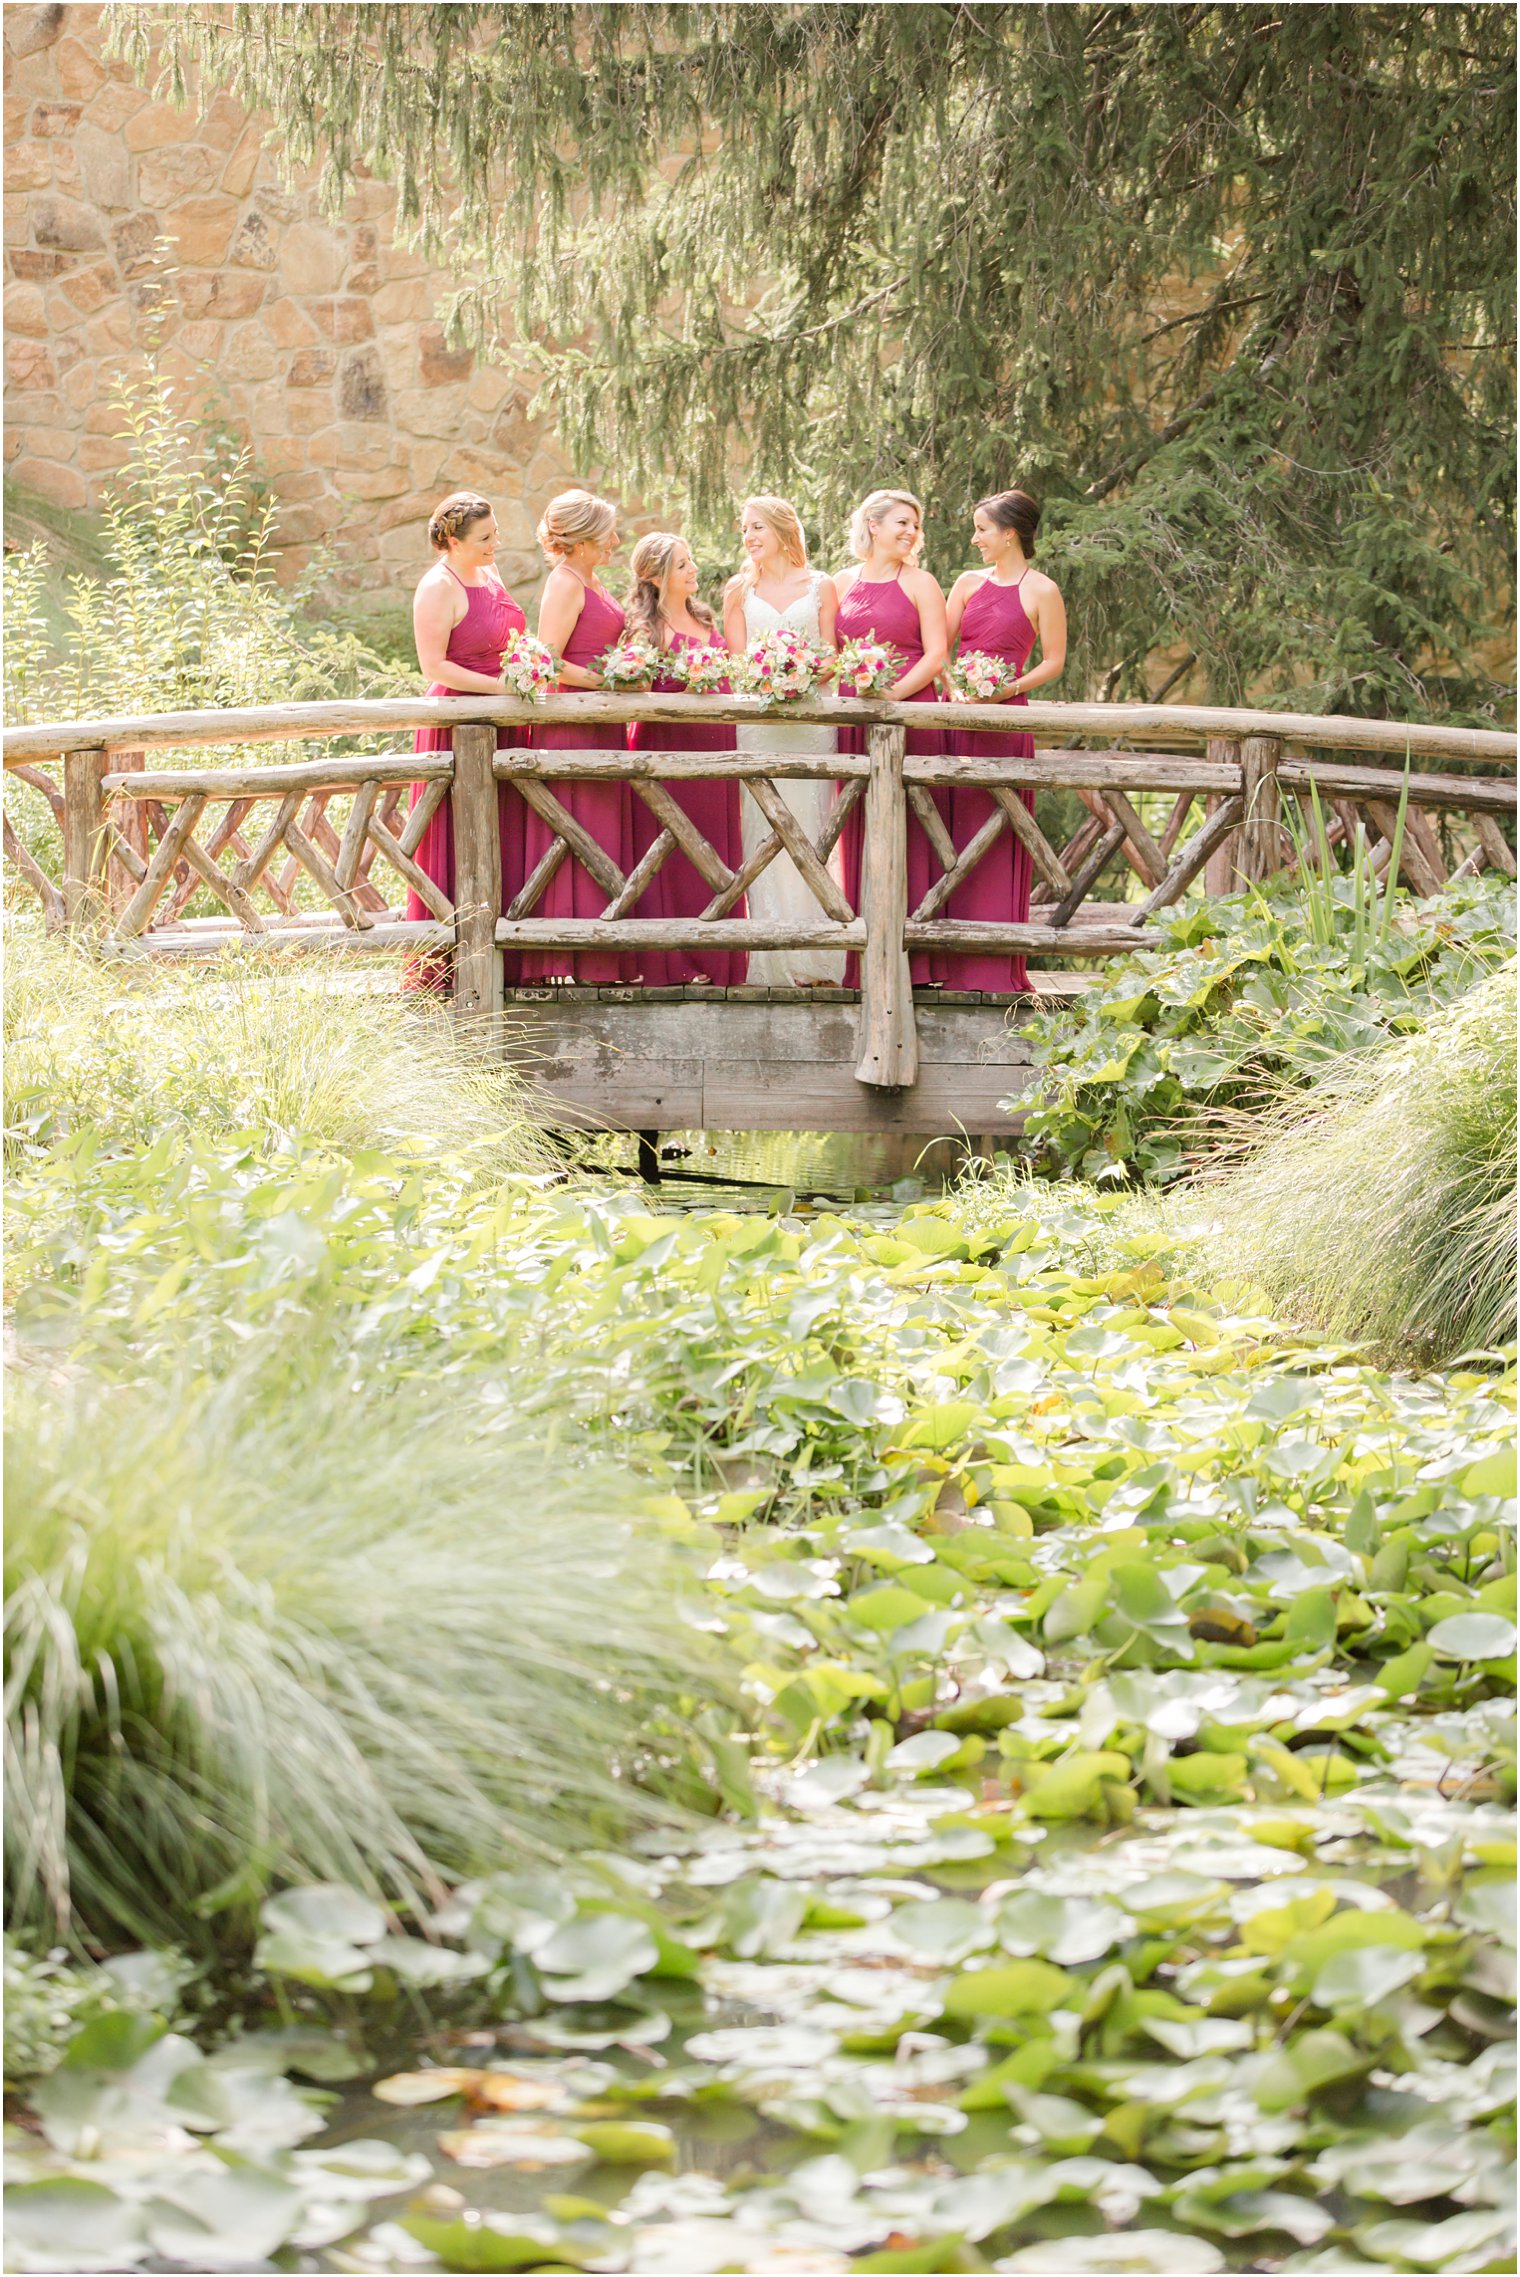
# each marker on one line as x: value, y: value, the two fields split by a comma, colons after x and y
x: 248, y: 1048
x: 1237, y: 998
x: 188, y: 615
x: 281, y: 1627
x: 1381, y: 1204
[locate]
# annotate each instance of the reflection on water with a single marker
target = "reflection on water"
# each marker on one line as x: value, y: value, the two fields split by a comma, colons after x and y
x: 753, y: 1169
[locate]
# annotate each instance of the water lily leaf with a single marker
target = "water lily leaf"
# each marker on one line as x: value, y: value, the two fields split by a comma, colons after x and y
x: 1492, y: 1474
x: 925, y: 1751
x: 1473, y: 1636
x: 327, y: 1912
x: 422, y: 1965
x: 322, y: 1962
x: 1359, y: 1978
x: 496, y: 2242
x: 596, y: 1957
x: 1250, y: 2210
x: 1129, y: 2253
x: 1011, y: 1988
x: 1068, y: 1931
x: 69, y: 2226
x: 224, y: 2220
x: 629, y: 2142
x: 1313, y: 2061
x: 944, y: 1931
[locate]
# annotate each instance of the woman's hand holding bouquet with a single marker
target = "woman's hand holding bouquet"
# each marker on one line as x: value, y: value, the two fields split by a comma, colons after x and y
x: 528, y: 668
x: 981, y: 678
x: 627, y: 665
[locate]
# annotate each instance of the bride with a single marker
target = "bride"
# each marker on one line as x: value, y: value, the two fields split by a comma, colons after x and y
x: 776, y: 587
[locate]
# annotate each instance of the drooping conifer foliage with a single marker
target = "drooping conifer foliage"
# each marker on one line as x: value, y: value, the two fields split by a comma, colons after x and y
x: 1230, y: 287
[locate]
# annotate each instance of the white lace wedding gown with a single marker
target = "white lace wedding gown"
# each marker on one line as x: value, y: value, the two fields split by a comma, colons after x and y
x: 780, y: 895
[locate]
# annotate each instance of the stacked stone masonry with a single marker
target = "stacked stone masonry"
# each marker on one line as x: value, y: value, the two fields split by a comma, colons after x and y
x: 135, y: 228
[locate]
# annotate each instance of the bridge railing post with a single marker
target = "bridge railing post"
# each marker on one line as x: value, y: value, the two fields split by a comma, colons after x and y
x: 1258, y: 842
x: 888, y: 1035
x: 477, y: 885
x: 86, y: 839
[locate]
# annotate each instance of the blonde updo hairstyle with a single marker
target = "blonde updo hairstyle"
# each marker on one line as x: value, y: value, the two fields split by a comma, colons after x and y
x: 782, y: 517
x: 653, y: 558
x: 573, y: 519
x: 873, y: 509
x: 454, y: 516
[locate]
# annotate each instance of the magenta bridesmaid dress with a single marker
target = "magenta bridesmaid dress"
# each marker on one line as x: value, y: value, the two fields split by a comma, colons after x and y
x: 677, y: 889
x: 884, y: 612
x: 998, y: 888
x: 604, y: 810
x: 475, y: 645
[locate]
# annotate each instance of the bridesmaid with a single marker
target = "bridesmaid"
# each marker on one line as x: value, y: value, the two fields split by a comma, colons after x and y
x: 890, y: 599
x: 579, y: 621
x: 1003, y: 610
x: 462, y: 616
x: 663, y: 609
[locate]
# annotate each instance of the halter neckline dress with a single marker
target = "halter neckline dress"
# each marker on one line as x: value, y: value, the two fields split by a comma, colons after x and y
x: 604, y: 810
x: 475, y: 645
x: 995, y: 621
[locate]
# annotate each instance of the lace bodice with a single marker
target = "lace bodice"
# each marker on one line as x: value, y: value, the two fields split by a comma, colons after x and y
x: 761, y: 616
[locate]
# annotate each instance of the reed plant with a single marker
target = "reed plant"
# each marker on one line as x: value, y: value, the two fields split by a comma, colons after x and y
x: 264, y: 1050
x: 1380, y: 1204
x: 281, y: 1628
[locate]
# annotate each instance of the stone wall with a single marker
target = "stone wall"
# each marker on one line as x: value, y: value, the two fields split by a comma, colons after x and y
x: 131, y: 226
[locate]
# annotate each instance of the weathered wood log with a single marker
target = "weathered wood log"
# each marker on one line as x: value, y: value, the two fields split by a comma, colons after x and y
x: 135, y: 917
x: 968, y: 934
x: 1151, y: 860
x: 1167, y: 723
x: 1494, y: 844
x: 246, y: 875
x: 1258, y: 850
x: 1182, y: 806
x: 536, y: 884
x: 1422, y: 875
x: 1088, y: 875
x: 1474, y: 794
x: 704, y: 859
x: 477, y: 884
x: 216, y: 938
x: 888, y: 1038
x: 932, y: 823
x: 800, y: 847
x: 1219, y: 869
x: 413, y: 830
x: 231, y: 897
x: 647, y: 867
x: 36, y: 877
x: 980, y: 843
x: 86, y: 840
x: 355, y: 833
x: 1059, y: 770
x: 1195, y: 855
x: 129, y: 842
x: 272, y: 782
x: 317, y: 867
x: 1042, y: 854
x: 594, y: 859
x: 633, y: 933
x: 50, y: 787
x: 593, y: 766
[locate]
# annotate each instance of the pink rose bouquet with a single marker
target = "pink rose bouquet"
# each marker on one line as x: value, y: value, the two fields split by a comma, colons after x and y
x: 628, y: 664
x: 868, y: 667
x: 703, y: 671
x: 982, y: 675
x: 783, y: 665
x: 527, y: 668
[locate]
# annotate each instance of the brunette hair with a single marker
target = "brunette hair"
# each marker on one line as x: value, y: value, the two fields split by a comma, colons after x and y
x: 781, y: 516
x: 452, y: 517
x: 573, y: 517
x: 1013, y: 510
x: 871, y: 510
x: 652, y: 558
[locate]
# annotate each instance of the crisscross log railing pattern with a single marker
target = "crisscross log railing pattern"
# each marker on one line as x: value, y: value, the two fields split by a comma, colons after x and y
x: 140, y: 844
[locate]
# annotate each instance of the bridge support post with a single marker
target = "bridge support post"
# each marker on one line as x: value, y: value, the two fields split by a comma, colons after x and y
x: 477, y: 887
x: 86, y: 838
x: 888, y: 1036
x: 1258, y: 844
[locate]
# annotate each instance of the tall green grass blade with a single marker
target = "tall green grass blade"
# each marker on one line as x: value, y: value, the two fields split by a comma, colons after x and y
x: 1395, y: 858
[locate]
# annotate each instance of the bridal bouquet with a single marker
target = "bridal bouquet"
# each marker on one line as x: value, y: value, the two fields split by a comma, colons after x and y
x: 784, y: 665
x: 983, y: 675
x: 868, y: 667
x: 527, y: 668
x: 628, y: 664
x: 703, y: 671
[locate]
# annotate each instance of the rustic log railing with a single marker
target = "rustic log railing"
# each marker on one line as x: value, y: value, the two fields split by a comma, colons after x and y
x: 140, y: 844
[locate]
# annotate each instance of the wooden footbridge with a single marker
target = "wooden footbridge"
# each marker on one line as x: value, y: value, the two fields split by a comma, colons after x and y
x: 165, y: 855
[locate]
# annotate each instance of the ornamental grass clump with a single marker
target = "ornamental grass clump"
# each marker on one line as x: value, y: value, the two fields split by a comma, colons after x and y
x: 1381, y: 1204
x: 278, y: 1629
x: 264, y: 1050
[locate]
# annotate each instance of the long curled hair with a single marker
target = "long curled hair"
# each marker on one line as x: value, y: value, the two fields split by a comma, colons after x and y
x: 782, y: 517
x: 653, y: 559
x: 871, y: 509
